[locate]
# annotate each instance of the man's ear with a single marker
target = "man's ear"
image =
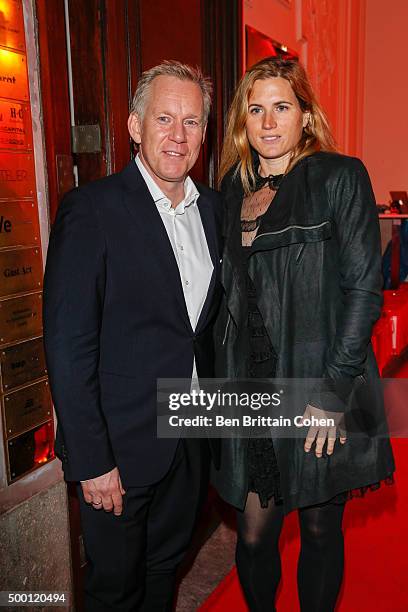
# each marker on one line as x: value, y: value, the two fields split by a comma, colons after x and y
x: 135, y: 128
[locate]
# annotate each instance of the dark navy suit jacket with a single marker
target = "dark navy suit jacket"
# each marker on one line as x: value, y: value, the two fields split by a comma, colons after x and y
x: 115, y: 321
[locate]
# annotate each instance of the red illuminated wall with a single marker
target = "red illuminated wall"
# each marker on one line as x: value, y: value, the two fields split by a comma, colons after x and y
x: 355, y: 52
x: 329, y: 37
x: 385, y: 136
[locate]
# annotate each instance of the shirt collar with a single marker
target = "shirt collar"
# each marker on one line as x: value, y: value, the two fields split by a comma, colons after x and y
x: 191, y: 193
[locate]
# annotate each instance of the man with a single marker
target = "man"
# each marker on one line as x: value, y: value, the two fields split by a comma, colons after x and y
x: 130, y: 296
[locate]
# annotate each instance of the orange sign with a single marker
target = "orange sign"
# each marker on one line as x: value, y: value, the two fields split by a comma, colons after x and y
x: 13, y: 75
x: 19, y: 224
x: 12, y: 24
x: 15, y: 129
x: 17, y: 176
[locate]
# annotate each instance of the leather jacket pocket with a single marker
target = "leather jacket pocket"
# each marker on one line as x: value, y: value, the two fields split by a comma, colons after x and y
x: 292, y: 234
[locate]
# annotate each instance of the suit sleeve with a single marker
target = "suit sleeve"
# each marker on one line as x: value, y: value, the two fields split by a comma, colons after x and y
x: 358, y: 236
x: 74, y: 288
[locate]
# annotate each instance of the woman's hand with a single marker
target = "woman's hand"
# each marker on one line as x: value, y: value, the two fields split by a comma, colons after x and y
x: 320, y: 432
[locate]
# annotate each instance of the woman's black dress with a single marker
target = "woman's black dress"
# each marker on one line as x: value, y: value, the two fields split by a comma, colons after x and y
x: 263, y: 469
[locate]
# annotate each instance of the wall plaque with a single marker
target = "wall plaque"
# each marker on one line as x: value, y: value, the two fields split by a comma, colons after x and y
x: 12, y: 24
x: 15, y: 130
x: 22, y: 363
x: 25, y: 403
x: 13, y: 75
x: 19, y: 224
x: 20, y: 318
x: 30, y: 450
x: 20, y: 271
x: 17, y: 176
x: 26, y: 408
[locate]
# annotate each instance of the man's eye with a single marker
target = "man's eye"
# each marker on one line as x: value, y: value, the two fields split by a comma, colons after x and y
x: 163, y: 119
x: 191, y: 123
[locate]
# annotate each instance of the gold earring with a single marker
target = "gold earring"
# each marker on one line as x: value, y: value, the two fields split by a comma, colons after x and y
x: 308, y: 124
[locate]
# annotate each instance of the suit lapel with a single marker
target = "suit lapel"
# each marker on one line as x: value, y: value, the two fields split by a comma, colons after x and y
x: 210, y: 231
x: 143, y: 211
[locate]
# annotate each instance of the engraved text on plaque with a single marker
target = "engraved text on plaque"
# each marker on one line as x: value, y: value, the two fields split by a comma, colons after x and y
x: 22, y: 363
x: 19, y: 224
x: 26, y: 408
x: 20, y: 318
x: 15, y: 132
x: 17, y: 176
x: 13, y: 75
x: 20, y: 271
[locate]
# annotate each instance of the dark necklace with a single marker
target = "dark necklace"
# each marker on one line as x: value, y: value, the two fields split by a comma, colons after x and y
x: 273, y: 181
x: 250, y: 225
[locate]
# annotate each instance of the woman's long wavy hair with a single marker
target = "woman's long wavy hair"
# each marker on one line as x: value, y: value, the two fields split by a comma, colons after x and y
x: 236, y: 149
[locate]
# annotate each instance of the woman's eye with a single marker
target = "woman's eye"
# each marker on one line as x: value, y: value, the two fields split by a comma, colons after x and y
x: 255, y: 110
x: 163, y: 119
x: 281, y: 108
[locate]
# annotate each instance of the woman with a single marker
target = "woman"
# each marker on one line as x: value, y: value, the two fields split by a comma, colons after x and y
x: 302, y: 280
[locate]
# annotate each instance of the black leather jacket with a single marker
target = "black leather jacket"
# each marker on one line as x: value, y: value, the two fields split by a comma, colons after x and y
x: 316, y: 266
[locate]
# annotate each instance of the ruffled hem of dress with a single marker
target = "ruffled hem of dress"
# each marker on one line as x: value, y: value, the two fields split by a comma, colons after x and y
x: 265, y: 497
x: 361, y: 491
x: 264, y: 477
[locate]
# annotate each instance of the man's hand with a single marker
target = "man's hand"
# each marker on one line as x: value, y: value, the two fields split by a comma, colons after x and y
x: 104, y: 492
x: 322, y: 432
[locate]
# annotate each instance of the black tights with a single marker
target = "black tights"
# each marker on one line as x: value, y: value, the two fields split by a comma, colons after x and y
x: 320, y: 566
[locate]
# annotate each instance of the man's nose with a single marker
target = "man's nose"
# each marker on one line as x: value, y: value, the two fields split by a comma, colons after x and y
x: 269, y: 120
x: 178, y: 132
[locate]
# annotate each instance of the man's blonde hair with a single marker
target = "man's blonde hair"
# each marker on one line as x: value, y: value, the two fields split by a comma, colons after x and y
x: 184, y: 72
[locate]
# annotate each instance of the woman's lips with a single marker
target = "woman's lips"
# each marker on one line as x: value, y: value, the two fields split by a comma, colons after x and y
x: 270, y: 138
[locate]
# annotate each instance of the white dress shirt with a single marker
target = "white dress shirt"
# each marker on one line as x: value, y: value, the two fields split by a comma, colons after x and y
x: 186, y: 234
